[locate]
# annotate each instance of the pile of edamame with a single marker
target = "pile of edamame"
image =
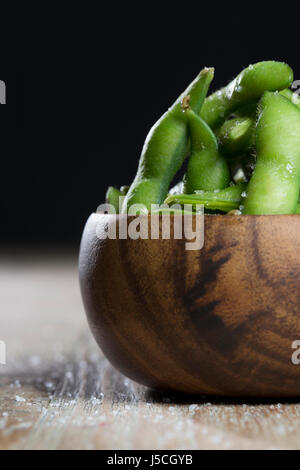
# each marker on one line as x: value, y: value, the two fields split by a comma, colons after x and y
x: 242, y: 143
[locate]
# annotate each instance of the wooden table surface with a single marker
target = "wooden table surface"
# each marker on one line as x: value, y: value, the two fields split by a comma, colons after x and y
x: 57, y: 391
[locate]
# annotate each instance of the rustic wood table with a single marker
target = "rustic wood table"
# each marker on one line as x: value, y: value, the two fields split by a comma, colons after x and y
x: 57, y: 391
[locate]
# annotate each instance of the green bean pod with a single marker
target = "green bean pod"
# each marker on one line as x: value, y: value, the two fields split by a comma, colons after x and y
x: 274, y: 186
x: 165, y: 148
x: 290, y: 95
x: 112, y: 197
x: 207, y: 168
x: 236, y: 136
x: 226, y: 200
x: 245, y: 89
x: 250, y: 109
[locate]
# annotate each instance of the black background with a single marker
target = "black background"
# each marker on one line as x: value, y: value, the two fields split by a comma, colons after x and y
x: 85, y: 84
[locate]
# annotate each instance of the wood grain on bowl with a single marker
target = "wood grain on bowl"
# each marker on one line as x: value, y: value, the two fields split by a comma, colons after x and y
x: 220, y: 320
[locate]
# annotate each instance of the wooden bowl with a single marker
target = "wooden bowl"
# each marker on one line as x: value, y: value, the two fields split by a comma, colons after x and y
x: 218, y: 321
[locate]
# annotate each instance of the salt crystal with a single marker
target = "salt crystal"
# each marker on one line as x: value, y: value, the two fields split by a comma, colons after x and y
x: 193, y: 408
x: 20, y: 399
x: 239, y: 176
x: 95, y: 401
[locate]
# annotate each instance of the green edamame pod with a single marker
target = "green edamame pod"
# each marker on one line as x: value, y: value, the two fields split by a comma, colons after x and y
x: 293, y: 97
x: 226, y: 200
x: 274, y: 186
x: 236, y: 136
x: 249, y: 110
x: 207, y: 168
x: 245, y: 89
x: 165, y: 148
x: 297, y: 211
x: 113, y: 196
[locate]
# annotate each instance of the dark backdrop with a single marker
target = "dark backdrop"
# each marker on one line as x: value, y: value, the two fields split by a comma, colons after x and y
x: 84, y: 85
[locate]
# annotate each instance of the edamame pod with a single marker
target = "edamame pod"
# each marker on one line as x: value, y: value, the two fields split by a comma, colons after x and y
x: 245, y: 89
x: 293, y: 97
x: 207, y: 168
x: 226, y: 200
x: 236, y: 136
x: 250, y: 109
x: 274, y: 186
x: 165, y: 148
x: 112, y: 197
